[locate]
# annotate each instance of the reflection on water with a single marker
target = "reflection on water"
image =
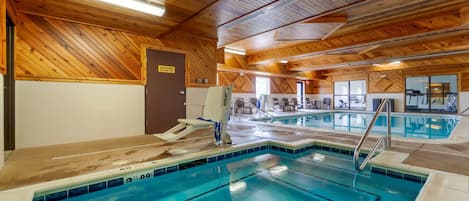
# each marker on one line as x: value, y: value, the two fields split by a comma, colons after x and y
x: 408, y: 126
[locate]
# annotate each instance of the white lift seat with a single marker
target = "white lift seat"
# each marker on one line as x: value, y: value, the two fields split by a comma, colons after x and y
x: 216, y: 109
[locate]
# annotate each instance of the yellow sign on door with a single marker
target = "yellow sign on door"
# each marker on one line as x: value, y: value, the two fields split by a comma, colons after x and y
x: 166, y: 69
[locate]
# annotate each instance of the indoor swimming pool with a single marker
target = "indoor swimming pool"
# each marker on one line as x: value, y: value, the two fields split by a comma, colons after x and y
x: 402, y: 125
x: 263, y: 173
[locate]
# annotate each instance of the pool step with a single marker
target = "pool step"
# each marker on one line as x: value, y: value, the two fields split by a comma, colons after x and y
x: 319, y: 187
x: 347, y: 176
x: 258, y: 187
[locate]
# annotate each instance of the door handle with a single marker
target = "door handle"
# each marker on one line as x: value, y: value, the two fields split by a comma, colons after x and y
x: 182, y: 92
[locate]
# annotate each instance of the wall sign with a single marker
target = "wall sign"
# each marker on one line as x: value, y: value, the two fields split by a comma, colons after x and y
x: 166, y: 69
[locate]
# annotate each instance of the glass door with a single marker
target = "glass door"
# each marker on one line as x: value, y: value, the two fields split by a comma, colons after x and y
x: 437, y: 94
x: 350, y: 95
x: 443, y: 91
x: 357, y: 95
x: 416, y: 94
x: 341, y: 95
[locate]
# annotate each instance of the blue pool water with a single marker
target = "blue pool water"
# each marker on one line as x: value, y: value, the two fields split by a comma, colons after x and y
x: 407, y: 126
x: 315, y: 175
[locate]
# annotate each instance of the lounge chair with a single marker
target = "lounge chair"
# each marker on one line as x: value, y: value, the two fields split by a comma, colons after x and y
x: 326, y: 102
x: 286, y: 105
x: 215, y: 116
x: 251, y: 105
x: 239, y: 105
x: 308, y: 104
x: 276, y: 104
x: 294, y: 104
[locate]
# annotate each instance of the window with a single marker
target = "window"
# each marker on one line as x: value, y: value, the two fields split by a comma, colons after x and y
x: 432, y: 94
x: 262, y: 86
x: 350, y: 95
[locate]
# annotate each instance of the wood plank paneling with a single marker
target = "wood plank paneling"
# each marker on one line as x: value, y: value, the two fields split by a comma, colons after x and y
x: 385, y: 82
x: 465, y: 78
x: 245, y: 83
x: 389, y: 32
x: 49, y: 49
x: 103, y: 14
x: 351, y: 76
x: 3, y: 37
x: 319, y: 86
x: 282, y: 85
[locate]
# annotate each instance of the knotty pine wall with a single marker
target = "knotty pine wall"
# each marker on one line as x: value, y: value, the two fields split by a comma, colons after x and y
x: 77, y: 82
x: 246, y: 82
x: 55, y: 50
x: 391, y: 83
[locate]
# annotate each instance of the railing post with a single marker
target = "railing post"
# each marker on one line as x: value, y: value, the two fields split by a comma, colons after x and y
x: 387, y: 140
x: 388, y: 137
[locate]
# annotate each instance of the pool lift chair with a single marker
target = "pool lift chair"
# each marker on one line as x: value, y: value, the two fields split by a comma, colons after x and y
x: 215, y: 115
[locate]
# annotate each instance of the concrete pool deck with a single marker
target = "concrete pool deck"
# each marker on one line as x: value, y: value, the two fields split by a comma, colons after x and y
x: 36, y: 165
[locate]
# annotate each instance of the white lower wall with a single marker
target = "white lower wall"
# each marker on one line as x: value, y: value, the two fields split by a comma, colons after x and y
x: 55, y: 113
x: 245, y: 96
x: 2, y: 152
x: 463, y: 101
x: 318, y: 96
x: 399, y: 102
x: 280, y: 96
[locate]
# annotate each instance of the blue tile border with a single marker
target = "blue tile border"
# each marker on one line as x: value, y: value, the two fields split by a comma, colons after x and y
x: 266, y: 148
x: 398, y: 175
x: 77, y: 191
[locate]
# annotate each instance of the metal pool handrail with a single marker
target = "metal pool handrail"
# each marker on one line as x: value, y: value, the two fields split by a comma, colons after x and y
x: 269, y: 116
x: 386, y: 139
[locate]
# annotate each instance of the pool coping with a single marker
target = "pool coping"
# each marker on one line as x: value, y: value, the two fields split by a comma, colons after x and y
x: 458, y: 135
x: 385, y: 160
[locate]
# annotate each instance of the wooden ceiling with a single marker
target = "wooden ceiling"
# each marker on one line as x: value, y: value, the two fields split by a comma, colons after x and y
x: 225, y: 20
x: 311, y: 35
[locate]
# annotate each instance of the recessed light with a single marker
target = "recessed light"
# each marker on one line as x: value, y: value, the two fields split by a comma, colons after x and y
x: 283, y: 61
x: 235, y: 51
x: 137, y: 5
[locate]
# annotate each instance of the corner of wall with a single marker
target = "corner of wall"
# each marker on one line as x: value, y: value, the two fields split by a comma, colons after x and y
x: 2, y: 152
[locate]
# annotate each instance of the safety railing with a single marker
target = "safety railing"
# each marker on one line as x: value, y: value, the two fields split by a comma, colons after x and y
x: 384, y: 139
x: 269, y: 116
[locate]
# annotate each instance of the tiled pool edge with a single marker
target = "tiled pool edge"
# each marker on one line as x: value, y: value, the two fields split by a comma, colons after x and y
x: 127, y: 175
x: 457, y: 135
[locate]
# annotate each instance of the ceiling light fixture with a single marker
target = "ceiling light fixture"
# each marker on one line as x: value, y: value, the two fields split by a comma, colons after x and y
x: 283, y: 61
x: 138, y: 5
x: 395, y: 63
x: 234, y: 51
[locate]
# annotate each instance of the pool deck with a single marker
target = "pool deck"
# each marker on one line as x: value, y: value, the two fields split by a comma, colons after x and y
x: 41, y: 164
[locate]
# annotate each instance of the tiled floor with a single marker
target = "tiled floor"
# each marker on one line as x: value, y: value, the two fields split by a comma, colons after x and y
x: 35, y: 165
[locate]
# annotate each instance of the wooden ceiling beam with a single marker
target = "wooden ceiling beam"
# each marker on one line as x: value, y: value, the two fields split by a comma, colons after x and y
x: 261, y: 73
x: 408, y: 31
x: 368, y: 62
x: 233, y: 25
x: 340, y: 18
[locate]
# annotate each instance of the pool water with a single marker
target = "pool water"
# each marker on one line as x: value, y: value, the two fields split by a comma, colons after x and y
x: 313, y: 175
x: 407, y: 126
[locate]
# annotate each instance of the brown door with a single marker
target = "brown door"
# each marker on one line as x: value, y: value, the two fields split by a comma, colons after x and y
x: 165, y: 90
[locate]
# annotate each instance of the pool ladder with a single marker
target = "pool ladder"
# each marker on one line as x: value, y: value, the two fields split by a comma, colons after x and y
x: 383, y: 139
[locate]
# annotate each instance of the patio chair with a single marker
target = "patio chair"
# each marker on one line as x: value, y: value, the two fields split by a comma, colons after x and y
x: 294, y: 104
x: 326, y: 102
